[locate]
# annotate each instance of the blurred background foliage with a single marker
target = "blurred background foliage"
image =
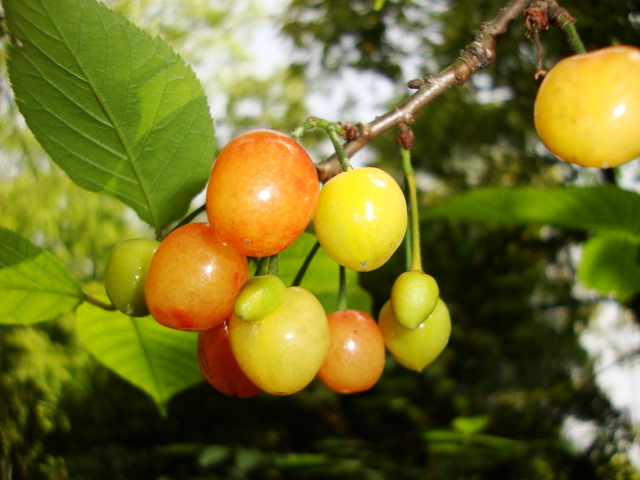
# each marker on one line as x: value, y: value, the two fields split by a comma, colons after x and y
x: 495, y: 404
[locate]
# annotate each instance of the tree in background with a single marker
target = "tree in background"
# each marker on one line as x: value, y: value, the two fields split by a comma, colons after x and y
x: 492, y: 406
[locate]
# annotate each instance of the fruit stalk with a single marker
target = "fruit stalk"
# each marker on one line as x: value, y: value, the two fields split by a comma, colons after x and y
x: 99, y: 303
x: 562, y: 19
x: 342, y: 290
x: 305, y: 265
x: 334, y: 130
x: 414, y: 229
x: 191, y: 217
x: 573, y: 38
x: 337, y: 145
x: 274, y: 264
x: 263, y: 266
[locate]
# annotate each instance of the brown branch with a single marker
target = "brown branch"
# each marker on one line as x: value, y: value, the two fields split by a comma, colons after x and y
x: 477, y: 55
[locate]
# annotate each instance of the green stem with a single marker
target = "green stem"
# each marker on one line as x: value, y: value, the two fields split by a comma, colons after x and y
x: 99, y: 303
x: 263, y: 266
x: 407, y: 235
x: 342, y: 291
x: 274, y: 264
x: 416, y: 256
x: 304, y: 127
x: 570, y: 31
x: 305, y: 265
x: 334, y: 131
x: 189, y: 218
x: 337, y: 145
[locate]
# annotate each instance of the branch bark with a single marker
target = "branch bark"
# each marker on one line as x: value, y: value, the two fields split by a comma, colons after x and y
x: 478, y: 54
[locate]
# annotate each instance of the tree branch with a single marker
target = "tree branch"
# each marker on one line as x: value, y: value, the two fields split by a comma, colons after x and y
x: 476, y: 55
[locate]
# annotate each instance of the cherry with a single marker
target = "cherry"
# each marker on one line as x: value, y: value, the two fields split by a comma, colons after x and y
x: 262, y: 192
x: 125, y: 275
x: 193, y: 279
x: 356, y: 354
x: 218, y: 365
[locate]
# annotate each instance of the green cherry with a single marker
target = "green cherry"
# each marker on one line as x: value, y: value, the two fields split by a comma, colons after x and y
x: 126, y: 272
x: 258, y: 297
x: 414, y: 295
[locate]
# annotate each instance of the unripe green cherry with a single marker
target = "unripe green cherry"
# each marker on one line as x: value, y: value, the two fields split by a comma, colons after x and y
x: 126, y: 273
x: 414, y: 295
x: 258, y: 297
x: 415, y: 349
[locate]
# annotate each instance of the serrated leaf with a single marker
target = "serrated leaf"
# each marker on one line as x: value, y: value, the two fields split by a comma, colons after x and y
x: 583, y: 208
x: 160, y: 361
x: 116, y: 109
x: 323, y: 276
x: 34, y: 285
x: 610, y: 263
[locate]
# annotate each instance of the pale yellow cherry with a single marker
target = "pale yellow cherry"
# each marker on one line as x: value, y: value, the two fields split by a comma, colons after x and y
x: 587, y: 110
x: 361, y: 218
x: 415, y: 349
x: 283, y: 352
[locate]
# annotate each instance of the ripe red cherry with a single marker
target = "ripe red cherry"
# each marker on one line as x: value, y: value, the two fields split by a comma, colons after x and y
x: 355, y: 359
x: 193, y: 279
x: 262, y: 192
x: 219, y: 366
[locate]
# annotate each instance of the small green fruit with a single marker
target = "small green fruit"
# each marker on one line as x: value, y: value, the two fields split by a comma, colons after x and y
x: 126, y: 273
x: 258, y: 297
x: 414, y: 295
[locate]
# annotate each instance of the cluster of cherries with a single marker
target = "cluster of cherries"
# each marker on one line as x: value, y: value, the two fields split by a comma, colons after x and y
x: 255, y: 333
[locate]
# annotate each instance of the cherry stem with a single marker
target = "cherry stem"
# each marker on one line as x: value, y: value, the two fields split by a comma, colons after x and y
x: 414, y: 229
x: 189, y: 218
x: 305, y: 265
x: 337, y: 145
x: 407, y: 235
x: 342, y: 291
x: 263, y: 266
x: 274, y: 264
x: 571, y: 33
x: 334, y: 130
x: 99, y: 303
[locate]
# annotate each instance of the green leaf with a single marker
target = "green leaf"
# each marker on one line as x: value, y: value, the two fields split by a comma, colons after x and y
x: 116, y: 109
x: 470, y: 425
x: 610, y: 263
x: 34, y: 286
x: 582, y: 208
x: 323, y: 276
x: 160, y: 361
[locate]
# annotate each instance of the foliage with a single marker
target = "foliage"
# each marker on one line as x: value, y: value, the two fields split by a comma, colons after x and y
x: 609, y: 262
x: 493, y: 406
x: 140, y: 128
